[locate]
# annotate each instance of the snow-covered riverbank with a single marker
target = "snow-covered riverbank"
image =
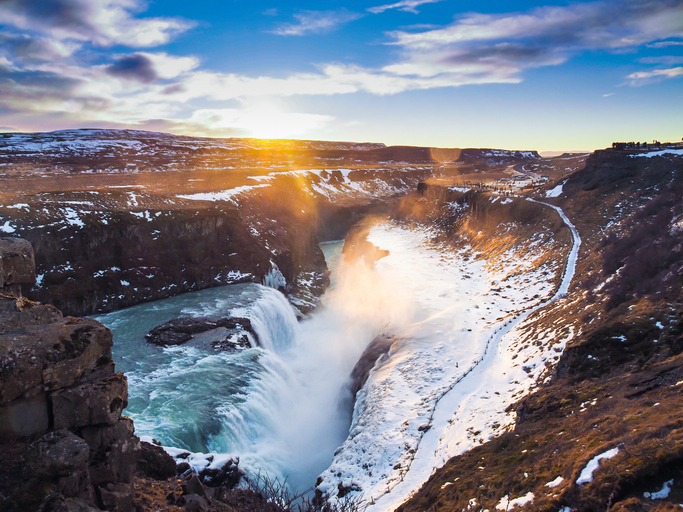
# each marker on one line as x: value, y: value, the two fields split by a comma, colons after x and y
x: 447, y: 382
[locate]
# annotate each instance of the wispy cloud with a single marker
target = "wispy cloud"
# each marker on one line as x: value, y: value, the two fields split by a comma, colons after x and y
x: 316, y: 22
x: 666, y: 60
x: 646, y: 77
x: 505, y: 45
x: 34, y: 49
x: 403, y: 5
x: 270, y: 12
x: 664, y: 44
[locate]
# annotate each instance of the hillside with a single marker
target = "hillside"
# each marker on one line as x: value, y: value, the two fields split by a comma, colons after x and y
x: 604, y: 433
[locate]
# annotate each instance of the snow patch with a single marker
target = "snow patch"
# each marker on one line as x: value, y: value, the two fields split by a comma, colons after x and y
x: 555, y: 192
x: 658, y: 153
x: 72, y: 218
x: 662, y: 493
x: 7, y: 228
x: 225, y: 195
x: 586, y: 475
x: 554, y: 483
x: 506, y: 504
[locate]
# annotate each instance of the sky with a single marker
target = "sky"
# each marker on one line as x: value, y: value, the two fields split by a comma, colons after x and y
x: 549, y: 75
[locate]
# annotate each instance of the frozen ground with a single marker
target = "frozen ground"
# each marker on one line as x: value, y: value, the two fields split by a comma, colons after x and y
x: 459, y: 360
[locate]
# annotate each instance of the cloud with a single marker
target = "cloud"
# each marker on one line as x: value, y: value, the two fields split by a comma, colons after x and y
x: 665, y: 44
x: 147, y: 68
x: 100, y: 22
x: 170, y: 66
x: 80, y: 84
x: 403, y: 5
x: 270, y: 12
x: 504, y: 45
x: 134, y: 67
x: 28, y: 48
x: 597, y: 25
x: 646, y: 77
x: 316, y: 22
x: 38, y: 92
x: 666, y: 60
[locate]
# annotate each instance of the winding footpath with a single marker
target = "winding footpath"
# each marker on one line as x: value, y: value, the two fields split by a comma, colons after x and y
x: 460, y: 406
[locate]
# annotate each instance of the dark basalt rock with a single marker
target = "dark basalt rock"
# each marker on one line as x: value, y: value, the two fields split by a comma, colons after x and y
x: 68, y: 448
x: 375, y: 350
x: 228, y: 475
x: 155, y: 462
x: 17, y: 265
x: 219, y: 333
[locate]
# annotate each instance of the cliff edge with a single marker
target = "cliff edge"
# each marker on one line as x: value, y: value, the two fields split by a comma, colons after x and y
x: 66, y: 446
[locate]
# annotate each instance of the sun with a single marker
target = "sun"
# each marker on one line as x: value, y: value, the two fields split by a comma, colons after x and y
x: 267, y: 121
x: 263, y: 120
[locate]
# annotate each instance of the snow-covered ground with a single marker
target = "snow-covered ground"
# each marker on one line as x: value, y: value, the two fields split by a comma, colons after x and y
x: 650, y: 154
x: 556, y: 191
x: 460, y: 358
x: 224, y: 195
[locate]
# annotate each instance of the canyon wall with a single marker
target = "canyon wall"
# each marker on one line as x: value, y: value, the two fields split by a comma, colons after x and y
x: 64, y: 441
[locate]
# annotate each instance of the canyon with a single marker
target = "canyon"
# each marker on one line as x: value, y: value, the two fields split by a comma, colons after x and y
x: 487, y: 311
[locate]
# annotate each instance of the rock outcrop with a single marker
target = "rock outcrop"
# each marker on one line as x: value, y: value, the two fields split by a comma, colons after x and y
x: 17, y: 265
x: 215, y: 332
x: 67, y: 446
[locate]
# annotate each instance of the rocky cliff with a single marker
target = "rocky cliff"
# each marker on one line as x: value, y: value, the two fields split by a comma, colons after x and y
x: 66, y: 446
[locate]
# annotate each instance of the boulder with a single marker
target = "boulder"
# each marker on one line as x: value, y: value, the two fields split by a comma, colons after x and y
x: 91, y: 403
x: 194, y: 503
x: 228, y: 332
x: 56, y: 502
x: 60, y: 459
x: 193, y: 486
x: 155, y: 462
x: 222, y: 339
x: 228, y: 475
x: 116, y: 497
x: 114, y: 452
x: 53, y: 356
x: 18, y: 312
x: 25, y: 416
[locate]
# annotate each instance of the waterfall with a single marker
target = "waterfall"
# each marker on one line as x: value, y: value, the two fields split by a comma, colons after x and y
x: 274, y: 321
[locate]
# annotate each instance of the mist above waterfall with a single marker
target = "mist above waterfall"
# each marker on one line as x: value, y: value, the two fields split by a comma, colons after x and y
x: 313, y: 413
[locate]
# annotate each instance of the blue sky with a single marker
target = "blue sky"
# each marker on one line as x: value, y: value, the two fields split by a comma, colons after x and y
x: 554, y: 75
